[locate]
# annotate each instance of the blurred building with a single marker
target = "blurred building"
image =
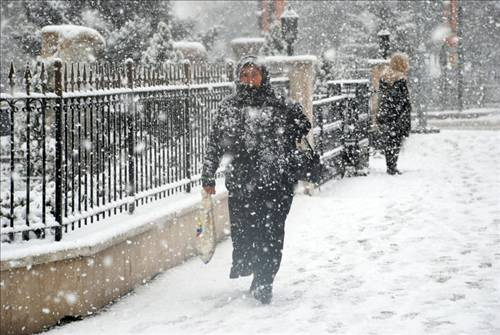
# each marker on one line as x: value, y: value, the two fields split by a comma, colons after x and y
x: 269, y: 10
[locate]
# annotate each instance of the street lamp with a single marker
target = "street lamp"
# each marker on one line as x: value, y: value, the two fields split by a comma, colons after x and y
x: 384, y: 43
x: 289, y: 28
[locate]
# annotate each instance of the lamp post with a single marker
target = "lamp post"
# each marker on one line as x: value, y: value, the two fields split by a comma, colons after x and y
x: 384, y: 43
x: 289, y: 28
x: 460, y: 59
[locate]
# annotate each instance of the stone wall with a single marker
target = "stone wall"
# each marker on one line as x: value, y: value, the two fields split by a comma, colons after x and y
x: 38, y: 291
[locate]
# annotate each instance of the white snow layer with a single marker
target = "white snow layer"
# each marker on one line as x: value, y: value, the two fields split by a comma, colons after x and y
x: 70, y: 31
x: 412, y: 254
x: 102, y: 232
x: 246, y: 40
x: 284, y: 59
x: 189, y: 45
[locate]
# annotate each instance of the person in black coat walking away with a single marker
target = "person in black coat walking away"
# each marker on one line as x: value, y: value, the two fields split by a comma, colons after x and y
x: 257, y: 131
x: 393, y: 118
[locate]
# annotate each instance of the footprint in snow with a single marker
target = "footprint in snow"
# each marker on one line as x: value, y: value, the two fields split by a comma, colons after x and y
x: 226, y: 299
x: 434, y: 324
x: 334, y: 328
x: 377, y: 254
x: 456, y: 297
x: 394, y: 247
x: 474, y: 285
x: 440, y: 278
x: 295, y: 295
x: 346, y: 268
x: 485, y: 265
x: 383, y: 315
x: 444, y: 259
x: 297, y: 282
x: 410, y: 316
x: 366, y: 244
x: 318, y: 306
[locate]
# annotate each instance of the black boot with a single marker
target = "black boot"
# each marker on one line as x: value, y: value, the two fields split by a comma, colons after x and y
x: 393, y: 171
x: 253, y: 286
x: 240, y: 270
x: 263, y: 293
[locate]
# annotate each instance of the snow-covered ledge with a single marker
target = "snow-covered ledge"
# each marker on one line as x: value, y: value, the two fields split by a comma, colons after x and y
x: 71, y: 43
x: 43, y: 281
x: 244, y: 46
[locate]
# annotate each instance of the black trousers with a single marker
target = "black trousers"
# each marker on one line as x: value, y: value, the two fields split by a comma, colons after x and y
x: 258, y: 231
x: 392, y: 146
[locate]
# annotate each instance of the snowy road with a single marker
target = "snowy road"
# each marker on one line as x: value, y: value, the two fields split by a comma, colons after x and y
x: 413, y: 254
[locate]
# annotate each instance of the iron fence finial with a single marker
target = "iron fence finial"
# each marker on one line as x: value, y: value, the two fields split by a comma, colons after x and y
x: 78, y: 77
x: 187, y: 72
x: 118, y: 76
x: 162, y: 75
x: 130, y: 67
x: 27, y: 78
x: 43, y: 78
x: 91, y: 77
x: 101, y: 72
x: 107, y: 70
x: 72, y: 77
x: 65, y: 77
x: 12, y: 78
x: 84, y: 78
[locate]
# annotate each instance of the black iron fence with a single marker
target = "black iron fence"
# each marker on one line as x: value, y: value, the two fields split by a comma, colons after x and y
x: 104, y: 139
x: 342, y: 127
x: 480, y: 90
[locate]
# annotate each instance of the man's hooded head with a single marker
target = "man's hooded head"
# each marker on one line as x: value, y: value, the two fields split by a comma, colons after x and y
x: 252, y: 77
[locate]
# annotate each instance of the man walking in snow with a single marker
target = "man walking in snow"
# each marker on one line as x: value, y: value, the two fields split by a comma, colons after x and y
x: 258, y: 131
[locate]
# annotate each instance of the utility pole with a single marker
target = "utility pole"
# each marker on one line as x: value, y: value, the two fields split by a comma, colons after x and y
x: 460, y: 58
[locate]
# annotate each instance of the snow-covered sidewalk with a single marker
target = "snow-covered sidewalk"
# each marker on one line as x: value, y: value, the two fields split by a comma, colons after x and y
x: 411, y: 254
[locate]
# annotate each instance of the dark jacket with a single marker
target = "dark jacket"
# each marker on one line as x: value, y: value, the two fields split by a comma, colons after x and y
x: 258, y: 131
x: 394, y: 114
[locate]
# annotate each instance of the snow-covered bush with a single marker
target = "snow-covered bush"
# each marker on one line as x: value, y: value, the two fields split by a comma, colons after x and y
x: 160, y: 47
x: 21, y: 169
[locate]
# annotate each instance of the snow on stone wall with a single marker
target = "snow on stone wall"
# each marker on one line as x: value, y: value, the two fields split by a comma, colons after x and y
x: 71, y: 43
x: 69, y: 31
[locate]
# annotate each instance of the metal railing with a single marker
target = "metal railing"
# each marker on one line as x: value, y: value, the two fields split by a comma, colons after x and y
x: 342, y: 127
x: 107, y: 139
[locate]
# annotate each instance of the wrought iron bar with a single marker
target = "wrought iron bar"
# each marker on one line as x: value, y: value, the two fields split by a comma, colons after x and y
x: 73, y: 102
x: 44, y: 147
x: 187, y: 125
x: 58, y: 159
x: 108, y: 148
x: 27, y: 77
x: 131, y: 130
